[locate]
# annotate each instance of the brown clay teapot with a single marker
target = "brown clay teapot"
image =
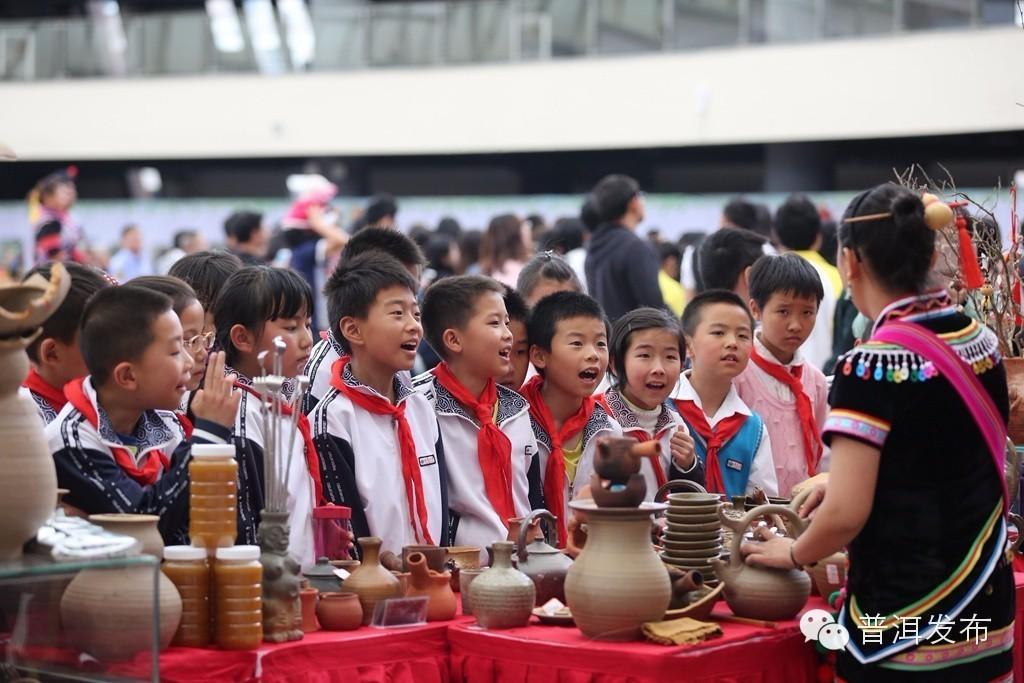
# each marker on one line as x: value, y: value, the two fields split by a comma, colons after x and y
x: 546, y: 566
x: 759, y: 592
x: 617, y: 481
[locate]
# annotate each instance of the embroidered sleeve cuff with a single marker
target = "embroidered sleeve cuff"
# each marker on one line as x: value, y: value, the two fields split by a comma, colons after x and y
x: 856, y: 425
x: 206, y: 431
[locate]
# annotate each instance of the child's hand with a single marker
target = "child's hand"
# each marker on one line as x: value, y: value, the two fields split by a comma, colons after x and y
x: 682, y: 450
x: 218, y: 400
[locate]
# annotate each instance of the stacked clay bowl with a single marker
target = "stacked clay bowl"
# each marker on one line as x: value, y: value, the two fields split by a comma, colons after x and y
x: 693, y: 533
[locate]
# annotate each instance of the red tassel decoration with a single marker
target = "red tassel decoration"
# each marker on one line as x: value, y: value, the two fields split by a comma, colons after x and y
x: 973, y: 278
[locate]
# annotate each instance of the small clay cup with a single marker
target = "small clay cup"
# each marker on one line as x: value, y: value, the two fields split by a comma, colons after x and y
x: 339, y: 611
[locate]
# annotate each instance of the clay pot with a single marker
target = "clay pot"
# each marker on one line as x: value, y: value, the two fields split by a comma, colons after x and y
x: 829, y: 575
x: 370, y: 581
x: 759, y: 592
x: 143, y: 528
x: 435, y: 556
x: 502, y: 597
x: 436, y: 586
x: 339, y: 611
x: 534, y: 532
x: 321, y: 576
x: 404, y: 579
x: 1015, y: 384
x: 24, y: 306
x: 466, y: 578
x: 308, y: 597
x: 464, y: 556
x: 618, y: 582
x: 546, y: 566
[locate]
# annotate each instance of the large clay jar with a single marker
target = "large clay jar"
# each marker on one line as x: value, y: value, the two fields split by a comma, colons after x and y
x: 618, y: 582
x: 28, y: 480
x: 370, y: 581
x: 436, y: 586
x: 339, y: 611
x: 502, y: 597
x: 759, y: 592
x: 142, y: 528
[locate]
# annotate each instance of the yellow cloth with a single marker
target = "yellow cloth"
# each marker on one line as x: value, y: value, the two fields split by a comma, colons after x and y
x: 835, y: 281
x: 572, y: 455
x: 672, y: 292
x: 684, y: 631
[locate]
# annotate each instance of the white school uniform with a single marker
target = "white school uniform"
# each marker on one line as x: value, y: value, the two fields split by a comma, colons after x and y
x: 318, y: 369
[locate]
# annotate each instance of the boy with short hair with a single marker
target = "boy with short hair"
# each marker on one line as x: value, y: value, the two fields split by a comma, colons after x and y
x: 731, y: 441
x: 725, y: 258
x: 380, y: 449
x: 55, y: 354
x: 493, y: 474
x: 569, y: 348
x: 329, y: 348
x: 789, y: 393
x: 118, y: 445
x: 518, y: 317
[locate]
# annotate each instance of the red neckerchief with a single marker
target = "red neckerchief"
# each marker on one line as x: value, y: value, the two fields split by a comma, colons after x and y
x: 54, y: 396
x: 156, y: 461
x: 804, y: 409
x: 714, y: 438
x: 554, y: 471
x: 312, y: 458
x: 378, y: 405
x: 493, y: 447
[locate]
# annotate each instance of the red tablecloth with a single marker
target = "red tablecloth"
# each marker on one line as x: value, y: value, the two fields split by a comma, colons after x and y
x: 551, y: 654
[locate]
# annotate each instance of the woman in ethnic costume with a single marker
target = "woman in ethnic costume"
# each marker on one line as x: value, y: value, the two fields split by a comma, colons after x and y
x: 916, y: 489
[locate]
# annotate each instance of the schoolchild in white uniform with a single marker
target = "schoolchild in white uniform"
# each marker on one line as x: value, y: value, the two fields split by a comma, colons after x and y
x: 493, y: 474
x: 380, y: 448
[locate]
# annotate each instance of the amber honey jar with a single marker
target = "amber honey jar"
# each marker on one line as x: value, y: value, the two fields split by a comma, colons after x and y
x: 238, y: 590
x: 189, y: 570
x: 213, y: 496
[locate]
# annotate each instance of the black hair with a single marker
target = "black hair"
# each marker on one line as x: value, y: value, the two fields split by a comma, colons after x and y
x: 667, y: 250
x: 725, y: 254
x: 117, y: 326
x: 437, y: 250
x: 551, y: 310
x: 469, y: 244
x: 254, y: 295
x: 639, y: 319
x: 449, y: 226
x: 899, y: 247
x: 179, y: 291
x: 829, y: 241
x: 515, y: 305
x: 612, y: 196
x: 354, y: 285
x: 694, y: 307
x: 568, y: 233
x: 242, y: 224
x: 589, y: 215
x: 64, y: 323
x: 182, y: 237
x: 449, y: 303
x: 206, y: 272
x: 785, y: 273
x: 380, y: 206
x: 546, y: 265
x: 418, y: 233
x: 503, y: 242
x: 393, y: 243
x: 797, y: 223
x: 741, y: 214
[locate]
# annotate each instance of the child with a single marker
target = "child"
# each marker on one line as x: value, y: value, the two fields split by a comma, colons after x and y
x: 493, y: 473
x: 546, y: 273
x: 790, y: 394
x: 371, y: 428
x: 569, y: 348
x: 117, y: 445
x: 256, y: 305
x: 55, y: 354
x: 732, y: 442
x: 206, y: 272
x: 328, y: 349
x: 725, y: 259
x: 647, y: 352
x: 518, y: 316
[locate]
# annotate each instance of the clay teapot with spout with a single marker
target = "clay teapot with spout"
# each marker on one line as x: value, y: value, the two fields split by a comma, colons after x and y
x: 617, y: 481
x: 761, y: 592
x: 546, y: 566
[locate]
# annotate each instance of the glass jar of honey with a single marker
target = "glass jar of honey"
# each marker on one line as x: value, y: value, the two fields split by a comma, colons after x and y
x: 238, y: 596
x: 213, y: 496
x: 189, y: 570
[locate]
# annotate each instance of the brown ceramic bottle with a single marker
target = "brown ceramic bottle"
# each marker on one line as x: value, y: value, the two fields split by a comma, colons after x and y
x: 370, y: 581
x: 436, y: 586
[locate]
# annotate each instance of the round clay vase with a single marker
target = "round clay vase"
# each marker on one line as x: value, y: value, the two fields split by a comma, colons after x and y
x: 502, y: 597
x: 143, y: 528
x: 436, y: 586
x: 339, y: 611
x: 370, y: 581
x: 308, y: 598
x: 760, y: 592
x: 617, y: 583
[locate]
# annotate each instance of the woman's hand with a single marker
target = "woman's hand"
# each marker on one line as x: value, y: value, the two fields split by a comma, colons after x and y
x: 814, y: 499
x: 769, y: 551
x: 683, y: 451
x: 218, y: 400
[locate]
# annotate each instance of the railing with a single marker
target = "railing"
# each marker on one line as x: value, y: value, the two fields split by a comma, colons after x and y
x: 352, y: 34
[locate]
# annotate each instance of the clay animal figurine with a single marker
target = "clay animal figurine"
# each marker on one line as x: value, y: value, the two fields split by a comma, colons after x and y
x: 282, y: 607
x: 617, y: 481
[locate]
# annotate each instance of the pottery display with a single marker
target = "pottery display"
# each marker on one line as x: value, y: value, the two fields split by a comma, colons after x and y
x: 28, y: 479
x: 502, y: 597
x: 546, y: 566
x: 466, y: 578
x: 617, y: 481
x: 282, y: 608
x: 760, y: 592
x: 617, y: 583
x: 370, y: 581
x: 321, y: 576
x: 436, y: 586
x: 829, y: 575
x: 308, y: 598
x: 436, y: 556
x: 391, y: 562
x: 339, y: 611
x: 404, y: 581
x: 703, y: 600
x: 514, y: 523
x: 461, y: 557
x: 692, y: 535
x: 143, y: 528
